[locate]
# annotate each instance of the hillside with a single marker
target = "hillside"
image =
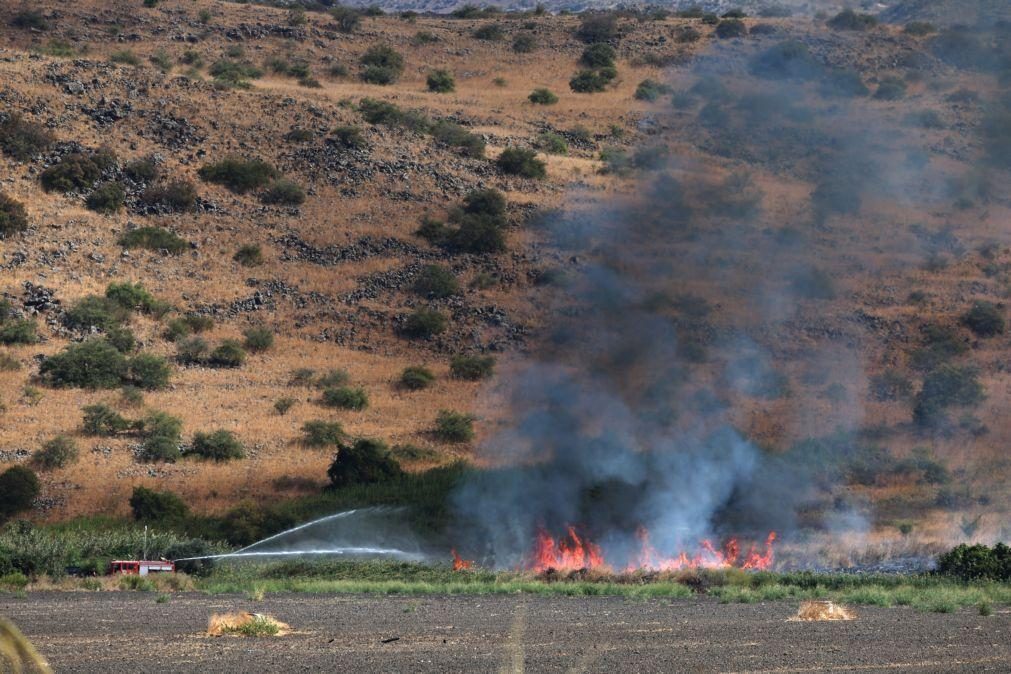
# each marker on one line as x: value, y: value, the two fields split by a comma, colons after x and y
x: 797, y: 235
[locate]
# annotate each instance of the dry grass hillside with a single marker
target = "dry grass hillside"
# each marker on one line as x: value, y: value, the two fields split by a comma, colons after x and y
x: 335, y: 282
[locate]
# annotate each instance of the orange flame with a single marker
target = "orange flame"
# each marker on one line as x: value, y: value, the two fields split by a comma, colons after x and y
x: 459, y: 563
x: 574, y: 552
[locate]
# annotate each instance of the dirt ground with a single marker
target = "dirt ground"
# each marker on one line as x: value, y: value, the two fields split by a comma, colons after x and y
x: 130, y: 632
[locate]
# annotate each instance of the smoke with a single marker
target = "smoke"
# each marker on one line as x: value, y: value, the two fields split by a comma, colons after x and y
x: 702, y: 339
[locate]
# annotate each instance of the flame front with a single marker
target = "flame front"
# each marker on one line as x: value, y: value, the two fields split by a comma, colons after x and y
x: 574, y: 552
x: 459, y: 563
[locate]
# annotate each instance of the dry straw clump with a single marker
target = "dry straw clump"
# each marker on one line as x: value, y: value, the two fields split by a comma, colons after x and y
x: 823, y: 610
x: 17, y: 653
x: 244, y: 624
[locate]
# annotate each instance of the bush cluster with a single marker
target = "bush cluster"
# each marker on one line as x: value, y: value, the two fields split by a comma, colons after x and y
x: 478, y: 225
x: 472, y: 368
x: 381, y: 64
x: 542, y: 96
x: 424, y: 324
x: 217, y: 445
x: 444, y: 132
x: 454, y: 426
x: 592, y: 81
x: 363, y: 462
x: 440, y: 81
x: 850, y: 20
x: 22, y: 140
x: 13, y: 217
x: 149, y: 505
x: 238, y: 174
x: 416, y: 378
x: 322, y: 433
x: 154, y: 238
x: 436, y: 282
x: 18, y: 488
x: 521, y: 162
x: 947, y: 386
x: 14, y: 330
x: 176, y: 196
x: 97, y: 363
x: 974, y: 563
x: 346, y: 398
x: 58, y: 452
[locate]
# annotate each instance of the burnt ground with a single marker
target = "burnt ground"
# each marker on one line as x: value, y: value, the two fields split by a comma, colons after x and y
x: 130, y: 632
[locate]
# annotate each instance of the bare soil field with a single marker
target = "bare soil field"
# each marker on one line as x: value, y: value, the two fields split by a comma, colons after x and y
x: 130, y: 632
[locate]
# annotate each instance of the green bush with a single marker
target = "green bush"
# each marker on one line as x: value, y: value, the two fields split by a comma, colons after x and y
x: 13, y: 216
x: 947, y: 386
x: 472, y: 368
x: 192, y: 351
x: 58, y: 452
x: 283, y: 192
x: 102, y: 420
x: 93, y: 311
x: 440, y: 81
x: 177, y: 196
x: 850, y: 20
x: 282, y: 405
x: 322, y: 433
x: 124, y: 57
x: 542, y: 96
x: 598, y: 55
x: 364, y: 462
x: 133, y: 296
x: 592, y: 81
x: 30, y: 19
x: 228, y: 73
x: 437, y: 282
x: 153, y: 238
x: 93, y: 364
x: 454, y: 426
x: 455, y: 135
x: 18, y: 488
x: 249, y: 255
x: 785, y: 61
x: 333, y: 378
x: 919, y: 28
x: 381, y: 64
x: 148, y: 371
x: 122, y: 338
x: 142, y: 170
x: 17, y: 331
x: 941, y: 344
x: 985, y: 319
x: 416, y: 378
x: 491, y: 32
x: 227, y: 354
x: 238, y: 174
x: 153, y: 506
x: 424, y: 323
x: 388, y: 114
x: 650, y: 90
x: 162, y: 435
x: 977, y: 563
x: 730, y: 28
x: 217, y: 445
x: 75, y: 171
x: 552, y: 143
x: 524, y: 44
x: 23, y: 140
x: 598, y: 27
x: 347, y: 19
x: 346, y: 398
x: 258, y: 339
x: 521, y: 162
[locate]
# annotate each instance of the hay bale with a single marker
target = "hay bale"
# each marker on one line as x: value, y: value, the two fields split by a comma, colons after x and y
x: 245, y: 624
x: 823, y: 610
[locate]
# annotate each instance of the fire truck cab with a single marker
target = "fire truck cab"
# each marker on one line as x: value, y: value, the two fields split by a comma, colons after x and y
x: 140, y: 567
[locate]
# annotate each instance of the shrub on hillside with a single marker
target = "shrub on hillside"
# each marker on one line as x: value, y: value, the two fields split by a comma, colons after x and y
x: 346, y: 398
x: 890, y: 385
x: 148, y: 505
x: 134, y: 297
x: 191, y: 351
x: 217, y: 445
x: 985, y: 319
x: 332, y: 378
x: 162, y: 435
x: 238, y: 174
x: 283, y: 192
x: 552, y: 143
x: 416, y: 377
x: 977, y: 563
x: 22, y: 140
x: 650, y: 90
x: 92, y: 364
x: 472, y: 368
x: 103, y: 421
x: 177, y: 196
x: 229, y: 353
x: 249, y: 255
x: 890, y: 89
x: 59, y: 452
x: 599, y: 55
x: 75, y: 171
x: 730, y: 28
x: 350, y: 137
x: 153, y: 238
x: 16, y: 330
x: 524, y: 44
x: 850, y: 20
x: 30, y: 19
x: 454, y: 426
x: 381, y: 64
x: 228, y: 73
x: 364, y: 462
x: 347, y: 19
x: 598, y: 27
x: 440, y: 81
x: 258, y: 338
x: 13, y: 217
x: 919, y: 28
x: 947, y: 386
x: 93, y: 311
x: 521, y: 162
x: 491, y: 32
x: 435, y: 281
x: 322, y: 433
x: 424, y: 323
x: 542, y: 97
x: 18, y: 489
x: 456, y: 136
x: 142, y: 170
x: 785, y: 61
x: 592, y: 81
x: 148, y: 372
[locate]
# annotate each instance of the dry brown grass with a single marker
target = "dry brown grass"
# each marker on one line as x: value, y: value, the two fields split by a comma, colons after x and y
x: 818, y: 611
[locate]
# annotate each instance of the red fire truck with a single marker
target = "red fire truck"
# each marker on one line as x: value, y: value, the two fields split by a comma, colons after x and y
x: 134, y: 567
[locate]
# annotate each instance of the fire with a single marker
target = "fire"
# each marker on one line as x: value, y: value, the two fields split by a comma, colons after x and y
x: 573, y: 552
x: 459, y: 563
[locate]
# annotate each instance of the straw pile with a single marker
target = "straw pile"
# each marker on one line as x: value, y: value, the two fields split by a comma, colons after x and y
x: 823, y: 610
x: 245, y: 624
